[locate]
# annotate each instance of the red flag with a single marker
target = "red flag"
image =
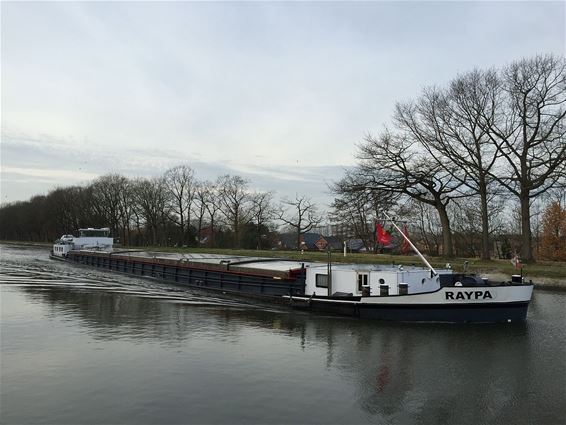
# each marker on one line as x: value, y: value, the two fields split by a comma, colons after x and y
x: 381, y: 235
x: 405, y: 247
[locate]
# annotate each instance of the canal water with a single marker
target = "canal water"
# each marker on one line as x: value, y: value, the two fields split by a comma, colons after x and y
x: 82, y: 346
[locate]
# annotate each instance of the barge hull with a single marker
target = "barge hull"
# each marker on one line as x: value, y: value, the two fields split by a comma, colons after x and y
x: 257, y: 285
x: 287, y: 286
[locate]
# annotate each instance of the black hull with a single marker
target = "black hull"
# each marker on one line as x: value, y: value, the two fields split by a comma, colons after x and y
x: 461, y: 313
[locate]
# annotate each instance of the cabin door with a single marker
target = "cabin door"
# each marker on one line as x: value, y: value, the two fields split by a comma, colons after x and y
x: 321, y: 281
x: 363, y: 280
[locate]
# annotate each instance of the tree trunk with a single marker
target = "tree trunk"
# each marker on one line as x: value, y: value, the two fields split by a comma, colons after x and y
x: 526, y: 236
x: 236, y: 231
x: 447, y: 248
x: 153, y: 234
x: 485, y: 249
x: 199, y: 236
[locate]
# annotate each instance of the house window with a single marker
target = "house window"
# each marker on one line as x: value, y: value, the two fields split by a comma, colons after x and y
x: 321, y: 281
x: 362, y: 281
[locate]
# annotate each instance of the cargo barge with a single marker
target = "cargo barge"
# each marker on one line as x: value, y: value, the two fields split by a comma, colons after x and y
x: 360, y: 290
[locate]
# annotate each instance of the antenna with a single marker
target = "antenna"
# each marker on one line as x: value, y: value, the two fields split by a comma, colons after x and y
x: 410, y: 243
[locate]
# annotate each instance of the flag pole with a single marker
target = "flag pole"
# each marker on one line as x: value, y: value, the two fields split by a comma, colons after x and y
x: 411, y: 243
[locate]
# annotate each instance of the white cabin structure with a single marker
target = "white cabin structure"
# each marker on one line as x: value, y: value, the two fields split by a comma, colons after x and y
x: 88, y: 239
x: 97, y: 239
x: 364, y: 279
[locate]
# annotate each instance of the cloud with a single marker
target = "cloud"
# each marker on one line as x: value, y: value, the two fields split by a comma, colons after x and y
x: 49, y: 174
x: 279, y: 92
x: 37, y: 164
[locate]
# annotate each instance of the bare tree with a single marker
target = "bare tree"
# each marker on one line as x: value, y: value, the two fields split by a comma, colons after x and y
x: 199, y: 206
x: 262, y: 212
x: 301, y: 214
x: 234, y: 199
x: 180, y: 184
x: 67, y: 208
x: 530, y: 133
x: 150, y: 195
x: 127, y: 205
x: 450, y: 125
x: 428, y: 226
x: 206, y: 206
x: 109, y: 200
x: 357, y: 207
x: 393, y: 162
x: 213, y: 207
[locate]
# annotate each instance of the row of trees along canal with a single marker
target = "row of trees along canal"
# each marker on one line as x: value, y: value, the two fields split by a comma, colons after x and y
x: 173, y: 209
x: 458, y: 163
x: 487, y: 138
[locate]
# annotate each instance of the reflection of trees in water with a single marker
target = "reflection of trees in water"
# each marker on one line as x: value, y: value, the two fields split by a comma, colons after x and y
x: 406, y: 372
x: 401, y: 371
x: 115, y: 315
x: 111, y: 315
x: 440, y: 372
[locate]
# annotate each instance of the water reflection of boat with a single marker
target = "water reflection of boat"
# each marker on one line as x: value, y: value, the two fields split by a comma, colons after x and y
x: 395, y: 372
x: 360, y: 290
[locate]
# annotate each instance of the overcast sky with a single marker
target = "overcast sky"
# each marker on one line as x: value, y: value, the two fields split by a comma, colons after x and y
x: 277, y: 92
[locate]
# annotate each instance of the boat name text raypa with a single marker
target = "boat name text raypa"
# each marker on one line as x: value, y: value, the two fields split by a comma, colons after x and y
x: 469, y: 295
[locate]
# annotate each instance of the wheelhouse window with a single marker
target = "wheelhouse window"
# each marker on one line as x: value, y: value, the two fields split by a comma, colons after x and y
x: 321, y: 281
x: 101, y: 233
x: 362, y: 281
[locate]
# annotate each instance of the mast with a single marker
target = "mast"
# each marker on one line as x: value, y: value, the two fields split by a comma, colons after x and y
x: 329, y: 271
x: 411, y: 243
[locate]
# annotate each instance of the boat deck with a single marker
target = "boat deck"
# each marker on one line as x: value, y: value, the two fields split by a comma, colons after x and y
x: 256, y: 276
x: 223, y: 260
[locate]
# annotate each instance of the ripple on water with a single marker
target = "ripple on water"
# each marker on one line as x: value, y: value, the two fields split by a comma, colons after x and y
x: 86, y: 346
x: 54, y: 274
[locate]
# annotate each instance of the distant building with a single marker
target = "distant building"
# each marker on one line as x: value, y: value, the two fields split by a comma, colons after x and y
x: 355, y: 245
x: 287, y: 241
x: 326, y: 242
x: 309, y: 241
